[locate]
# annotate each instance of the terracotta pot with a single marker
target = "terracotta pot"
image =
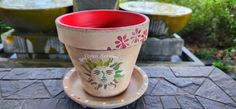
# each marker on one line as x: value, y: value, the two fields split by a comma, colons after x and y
x: 103, y: 46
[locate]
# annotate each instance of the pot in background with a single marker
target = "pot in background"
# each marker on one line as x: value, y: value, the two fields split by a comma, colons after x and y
x: 33, y: 15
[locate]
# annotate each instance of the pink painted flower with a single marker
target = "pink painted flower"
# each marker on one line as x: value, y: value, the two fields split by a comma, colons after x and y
x: 144, y: 36
x: 135, y: 36
x: 122, y: 42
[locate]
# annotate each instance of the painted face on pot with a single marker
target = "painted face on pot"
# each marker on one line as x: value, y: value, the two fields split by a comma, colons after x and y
x: 103, y: 74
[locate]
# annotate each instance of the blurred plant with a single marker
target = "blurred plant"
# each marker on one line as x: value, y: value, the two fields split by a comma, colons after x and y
x: 225, y: 67
x: 213, y: 22
x: 3, y: 28
x: 206, y: 53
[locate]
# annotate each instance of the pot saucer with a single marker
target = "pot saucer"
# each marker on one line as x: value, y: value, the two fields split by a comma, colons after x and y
x: 137, y: 87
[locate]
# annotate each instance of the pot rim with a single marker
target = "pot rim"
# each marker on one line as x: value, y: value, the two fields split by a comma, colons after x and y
x: 57, y: 21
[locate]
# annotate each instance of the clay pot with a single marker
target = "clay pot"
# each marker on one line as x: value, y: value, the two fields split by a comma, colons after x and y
x: 103, y: 46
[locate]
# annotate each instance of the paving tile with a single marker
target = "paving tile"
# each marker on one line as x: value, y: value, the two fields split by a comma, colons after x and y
x: 10, y: 87
x: 165, y: 88
x: 54, y: 86
x: 211, y: 91
x: 40, y: 104
x: 224, y: 81
x: 192, y: 71
x: 210, y: 104
x: 187, y: 84
x: 10, y: 104
x: 152, y: 83
x: 67, y: 104
x: 35, y: 90
x: 36, y: 73
x: 170, y: 102
x: 3, y: 71
x: 188, y: 102
x: 153, y: 102
x: 158, y: 71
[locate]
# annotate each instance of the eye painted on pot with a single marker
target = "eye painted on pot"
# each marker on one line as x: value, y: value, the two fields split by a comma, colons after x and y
x: 97, y: 72
x: 109, y: 72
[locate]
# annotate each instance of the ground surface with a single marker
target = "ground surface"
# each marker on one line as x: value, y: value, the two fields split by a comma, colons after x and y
x: 169, y: 87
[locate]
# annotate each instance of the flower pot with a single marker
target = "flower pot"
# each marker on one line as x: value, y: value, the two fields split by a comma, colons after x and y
x: 103, y: 46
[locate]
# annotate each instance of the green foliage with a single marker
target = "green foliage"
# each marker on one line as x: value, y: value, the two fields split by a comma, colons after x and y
x: 219, y: 64
x: 3, y: 27
x: 206, y: 53
x: 213, y: 22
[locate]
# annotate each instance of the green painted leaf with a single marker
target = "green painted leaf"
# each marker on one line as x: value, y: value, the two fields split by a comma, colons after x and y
x: 113, y: 64
x: 118, y: 71
x: 87, y: 69
x: 90, y: 66
x: 93, y: 64
x: 99, y: 62
x: 117, y: 66
x: 107, y: 62
x: 118, y: 76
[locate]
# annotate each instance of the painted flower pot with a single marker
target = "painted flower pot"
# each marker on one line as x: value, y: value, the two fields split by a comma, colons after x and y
x: 103, y: 46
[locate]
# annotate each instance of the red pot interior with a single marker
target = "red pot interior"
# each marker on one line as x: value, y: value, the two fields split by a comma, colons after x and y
x: 103, y: 19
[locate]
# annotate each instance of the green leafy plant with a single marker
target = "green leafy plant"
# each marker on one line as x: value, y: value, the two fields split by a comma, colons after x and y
x: 206, y: 53
x: 219, y: 64
x: 213, y: 22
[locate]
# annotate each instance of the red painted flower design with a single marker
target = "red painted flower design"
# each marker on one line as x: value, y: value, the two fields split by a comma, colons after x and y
x: 144, y: 36
x: 122, y: 42
x: 135, y: 35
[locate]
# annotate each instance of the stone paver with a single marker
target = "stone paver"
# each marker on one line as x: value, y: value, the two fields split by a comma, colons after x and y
x: 170, y: 102
x: 164, y: 72
x: 53, y: 86
x: 224, y: 81
x: 212, y: 91
x: 169, y: 88
x: 35, y: 90
x: 192, y: 71
x: 209, y: 104
x: 36, y: 73
x: 3, y: 71
x: 187, y: 84
x: 188, y: 102
x: 10, y: 87
x: 153, y: 102
x: 165, y: 88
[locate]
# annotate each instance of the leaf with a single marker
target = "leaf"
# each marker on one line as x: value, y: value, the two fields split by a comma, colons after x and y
x: 99, y: 86
x: 92, y: 64
x: 107, y: 62
x: 118, y: 71
x: 84, y: 66
x: 118, y: 76
x: 105, y: 86
x: 113, y: 64
x: 99, y: 62
x: 117, y: 66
